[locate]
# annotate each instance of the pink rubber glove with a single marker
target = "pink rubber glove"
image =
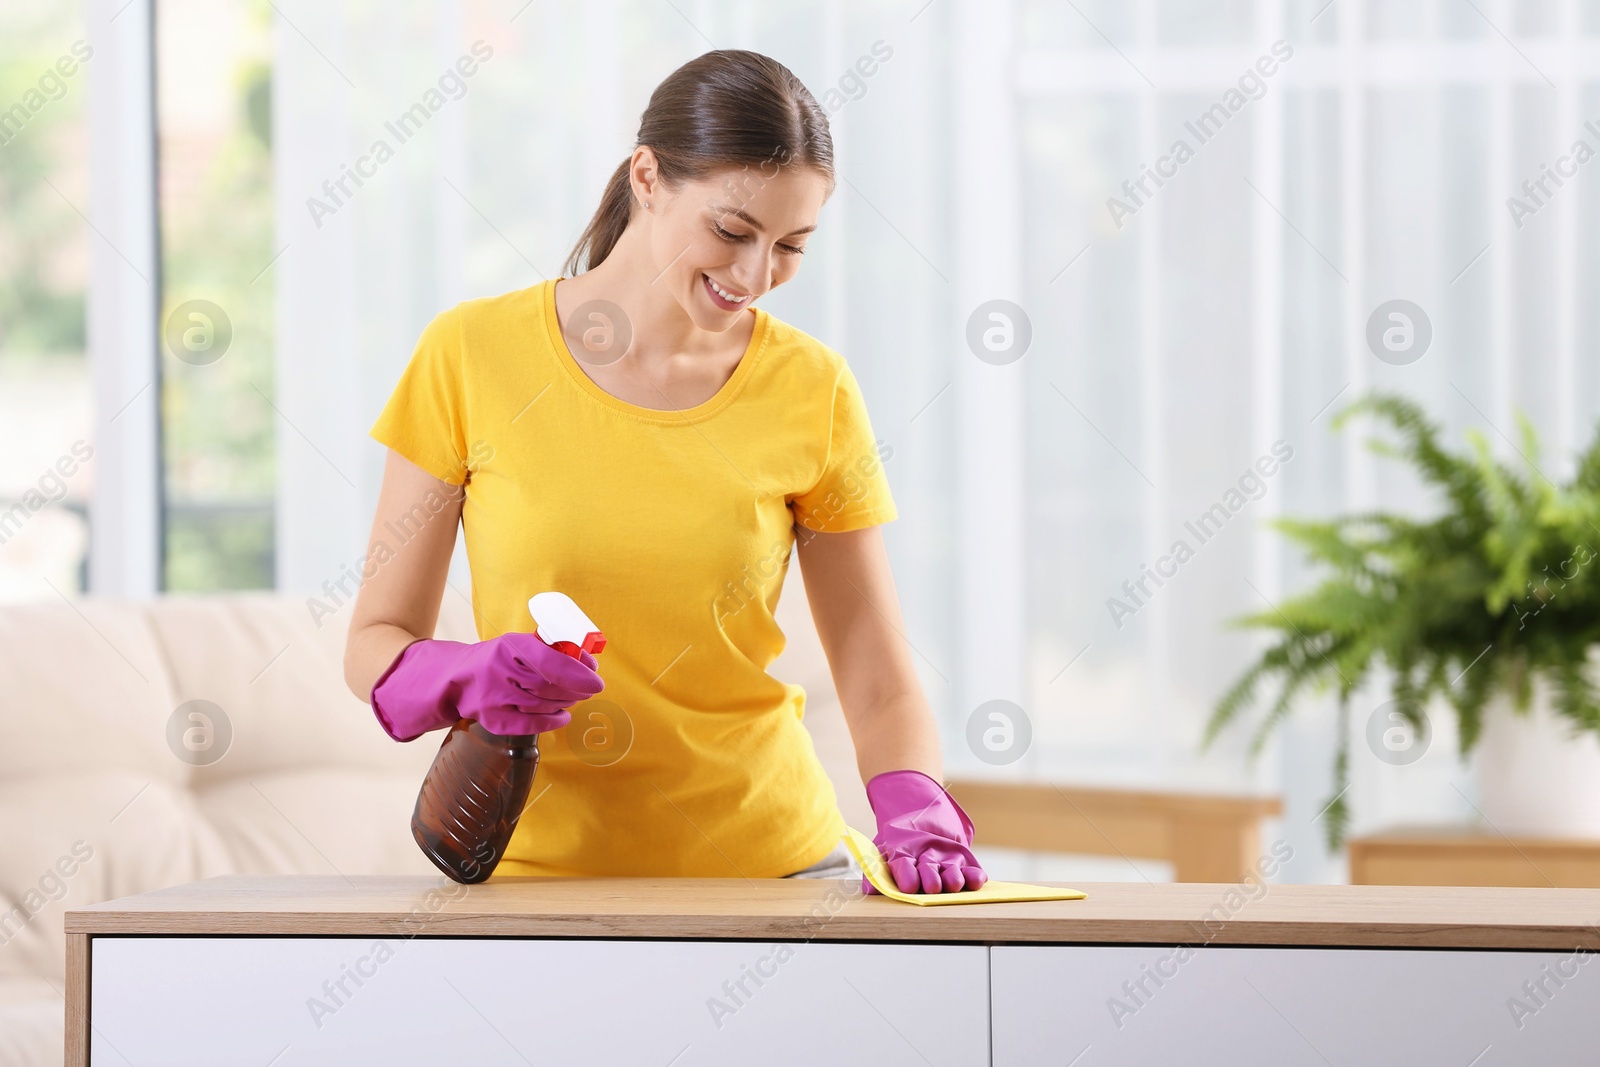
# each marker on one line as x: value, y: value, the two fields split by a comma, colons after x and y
x: 511, y: 684
x: 923, y: 834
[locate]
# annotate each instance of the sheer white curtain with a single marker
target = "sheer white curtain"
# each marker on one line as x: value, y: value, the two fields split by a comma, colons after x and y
x: 1171, y: 346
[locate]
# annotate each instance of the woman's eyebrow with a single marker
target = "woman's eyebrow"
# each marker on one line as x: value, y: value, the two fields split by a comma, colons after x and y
x: 740, y: 213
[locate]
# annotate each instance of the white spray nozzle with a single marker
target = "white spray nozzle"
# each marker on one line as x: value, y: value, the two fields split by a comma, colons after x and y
x: 557, y: 619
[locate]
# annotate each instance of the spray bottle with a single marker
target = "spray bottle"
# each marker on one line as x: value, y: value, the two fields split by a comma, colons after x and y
x: 478, y: 785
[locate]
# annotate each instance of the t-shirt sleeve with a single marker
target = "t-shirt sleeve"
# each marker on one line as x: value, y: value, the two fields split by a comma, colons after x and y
x: 425, y: 418
x: 853, y: 491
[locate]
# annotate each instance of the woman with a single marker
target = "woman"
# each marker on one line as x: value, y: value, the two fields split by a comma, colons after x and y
x: 644, y: 439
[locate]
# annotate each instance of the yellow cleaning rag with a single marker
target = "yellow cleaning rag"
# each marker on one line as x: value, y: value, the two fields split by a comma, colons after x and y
x: 993, y: 892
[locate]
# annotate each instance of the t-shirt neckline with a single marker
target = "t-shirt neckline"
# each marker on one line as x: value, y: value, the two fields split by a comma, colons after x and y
x: 736, y: 380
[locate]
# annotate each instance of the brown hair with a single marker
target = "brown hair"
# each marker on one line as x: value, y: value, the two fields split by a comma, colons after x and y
x: 727, y: 108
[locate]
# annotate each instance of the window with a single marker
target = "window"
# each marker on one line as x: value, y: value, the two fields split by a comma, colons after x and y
x: 214, y: 117
x: 47, y: 463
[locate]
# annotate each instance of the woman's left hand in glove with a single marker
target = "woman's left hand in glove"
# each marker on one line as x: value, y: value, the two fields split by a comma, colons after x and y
x: 925, y: 837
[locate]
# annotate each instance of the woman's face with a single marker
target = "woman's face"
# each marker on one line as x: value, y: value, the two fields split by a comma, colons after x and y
x: 722, y: 242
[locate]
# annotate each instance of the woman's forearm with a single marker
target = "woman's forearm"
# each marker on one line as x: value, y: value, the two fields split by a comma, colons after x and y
x: 368, y: 653
x: 853, y: 601
x: 896, y: 734
x: 398, y: 602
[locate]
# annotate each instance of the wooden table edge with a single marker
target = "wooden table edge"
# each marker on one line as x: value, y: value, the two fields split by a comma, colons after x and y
x: 986, y: 930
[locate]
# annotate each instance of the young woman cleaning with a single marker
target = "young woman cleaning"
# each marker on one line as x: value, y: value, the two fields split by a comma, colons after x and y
x: 643, y: 438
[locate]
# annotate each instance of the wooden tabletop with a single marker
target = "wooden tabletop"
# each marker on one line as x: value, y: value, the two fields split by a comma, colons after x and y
x: 799, y: 909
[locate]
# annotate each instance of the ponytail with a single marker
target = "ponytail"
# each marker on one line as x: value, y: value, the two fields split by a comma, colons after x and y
x: 605, y: 229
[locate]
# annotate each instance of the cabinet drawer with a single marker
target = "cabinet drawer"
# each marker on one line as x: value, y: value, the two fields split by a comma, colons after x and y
x: 1244, y: 1006
x: 295, y: 1002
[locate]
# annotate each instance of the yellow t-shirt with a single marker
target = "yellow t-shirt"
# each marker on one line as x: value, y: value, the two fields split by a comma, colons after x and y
x: 672, y: 530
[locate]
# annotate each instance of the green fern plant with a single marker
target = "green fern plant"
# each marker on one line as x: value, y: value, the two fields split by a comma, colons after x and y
x: 1502, y: 587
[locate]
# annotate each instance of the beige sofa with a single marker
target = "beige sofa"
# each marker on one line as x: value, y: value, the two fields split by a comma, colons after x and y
x: 96, y: 803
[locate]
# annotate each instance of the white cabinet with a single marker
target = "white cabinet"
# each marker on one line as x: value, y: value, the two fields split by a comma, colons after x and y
x: 303, y: 1001
x: 311, y: 1001
x: 306, y: 971
x: 1109, y: 1006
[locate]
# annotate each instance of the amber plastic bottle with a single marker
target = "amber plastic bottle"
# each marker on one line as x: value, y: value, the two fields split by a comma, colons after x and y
x: 472, y: 798
x: 478, y: 785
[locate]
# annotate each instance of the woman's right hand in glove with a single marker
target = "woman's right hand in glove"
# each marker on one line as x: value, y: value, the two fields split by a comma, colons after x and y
x: 511, y: 684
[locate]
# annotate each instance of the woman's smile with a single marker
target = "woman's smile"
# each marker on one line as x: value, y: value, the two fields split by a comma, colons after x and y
x: 723, y: 297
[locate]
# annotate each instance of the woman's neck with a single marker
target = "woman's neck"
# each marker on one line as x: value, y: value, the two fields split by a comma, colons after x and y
x: 662, y: 331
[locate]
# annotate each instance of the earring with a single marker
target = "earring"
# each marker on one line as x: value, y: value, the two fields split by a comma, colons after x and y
x: 646, y: 204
